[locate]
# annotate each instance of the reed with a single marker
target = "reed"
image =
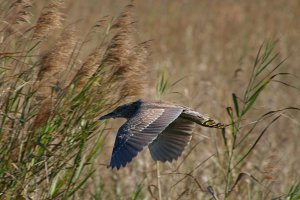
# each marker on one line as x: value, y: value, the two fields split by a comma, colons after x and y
x: 59, y: 71
x: 50, y: 19
x: 49, y: 136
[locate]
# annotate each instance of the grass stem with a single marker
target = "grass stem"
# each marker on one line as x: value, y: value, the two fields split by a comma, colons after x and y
x: 158, y: 180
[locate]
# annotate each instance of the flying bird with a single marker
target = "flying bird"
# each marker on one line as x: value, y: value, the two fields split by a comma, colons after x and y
x: 165, y: 128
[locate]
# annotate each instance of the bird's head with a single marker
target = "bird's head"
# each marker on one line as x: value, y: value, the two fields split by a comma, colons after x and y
x: 123, y: 111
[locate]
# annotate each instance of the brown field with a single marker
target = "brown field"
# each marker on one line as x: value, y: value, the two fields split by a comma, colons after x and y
x: 64, y: 63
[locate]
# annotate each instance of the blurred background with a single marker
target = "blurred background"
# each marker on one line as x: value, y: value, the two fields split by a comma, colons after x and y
x: 209, y: 47
x: 205, y: 51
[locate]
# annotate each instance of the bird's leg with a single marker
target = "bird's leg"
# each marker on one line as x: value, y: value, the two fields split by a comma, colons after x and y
x: 202, y: 120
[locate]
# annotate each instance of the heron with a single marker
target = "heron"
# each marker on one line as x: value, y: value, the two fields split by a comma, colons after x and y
x: 166, y: 129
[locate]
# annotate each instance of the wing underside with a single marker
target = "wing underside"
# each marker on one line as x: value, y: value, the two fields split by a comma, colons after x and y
x: 139, y: 131
x: 170, y: 144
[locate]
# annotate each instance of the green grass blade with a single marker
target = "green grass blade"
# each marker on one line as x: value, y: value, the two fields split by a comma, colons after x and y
x: 294, y: 192
x: 236, y: 104
x: 137, y: 192
x: 253, y: 98
x: 81, y: 183
x: 255, y: 143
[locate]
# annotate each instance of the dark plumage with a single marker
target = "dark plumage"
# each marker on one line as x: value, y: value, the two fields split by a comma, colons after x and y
x: 164, y: 127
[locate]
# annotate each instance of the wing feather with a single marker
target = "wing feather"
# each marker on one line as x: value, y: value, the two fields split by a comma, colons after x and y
x: 139, y: 131
x: 170, y: 144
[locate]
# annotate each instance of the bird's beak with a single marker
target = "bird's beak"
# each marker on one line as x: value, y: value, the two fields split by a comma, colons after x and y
x: 109, y: 115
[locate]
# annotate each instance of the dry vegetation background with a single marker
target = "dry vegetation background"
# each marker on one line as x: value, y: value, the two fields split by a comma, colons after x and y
x: 63, y: 63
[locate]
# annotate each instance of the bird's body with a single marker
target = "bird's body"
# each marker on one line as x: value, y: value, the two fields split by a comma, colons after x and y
x: 164, y: 127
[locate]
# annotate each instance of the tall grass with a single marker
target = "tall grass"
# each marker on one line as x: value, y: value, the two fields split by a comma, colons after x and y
x: 55, y: 82
x: 242, y: 136
x: 49, y: 133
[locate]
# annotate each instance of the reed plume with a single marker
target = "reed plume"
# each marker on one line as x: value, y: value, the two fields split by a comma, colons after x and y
x: 269, y: 168
x: 20, y: 11
x: 88, y: 68
x: 135, y: 81
x: 50, y: 19
x: 126, y: 56
x: 53, y: 66
x: 17, y: 17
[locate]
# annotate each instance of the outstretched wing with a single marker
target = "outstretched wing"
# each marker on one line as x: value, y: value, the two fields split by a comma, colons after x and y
x: 170, y: 144
x: 139, y: 131
x: 201, y: 119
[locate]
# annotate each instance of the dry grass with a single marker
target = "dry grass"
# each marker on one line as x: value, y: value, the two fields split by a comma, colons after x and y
x: 50, y: 76
x: 63, y: 64
x: 50, y: 101
x: 50, y: 19
x: 126, y: 56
